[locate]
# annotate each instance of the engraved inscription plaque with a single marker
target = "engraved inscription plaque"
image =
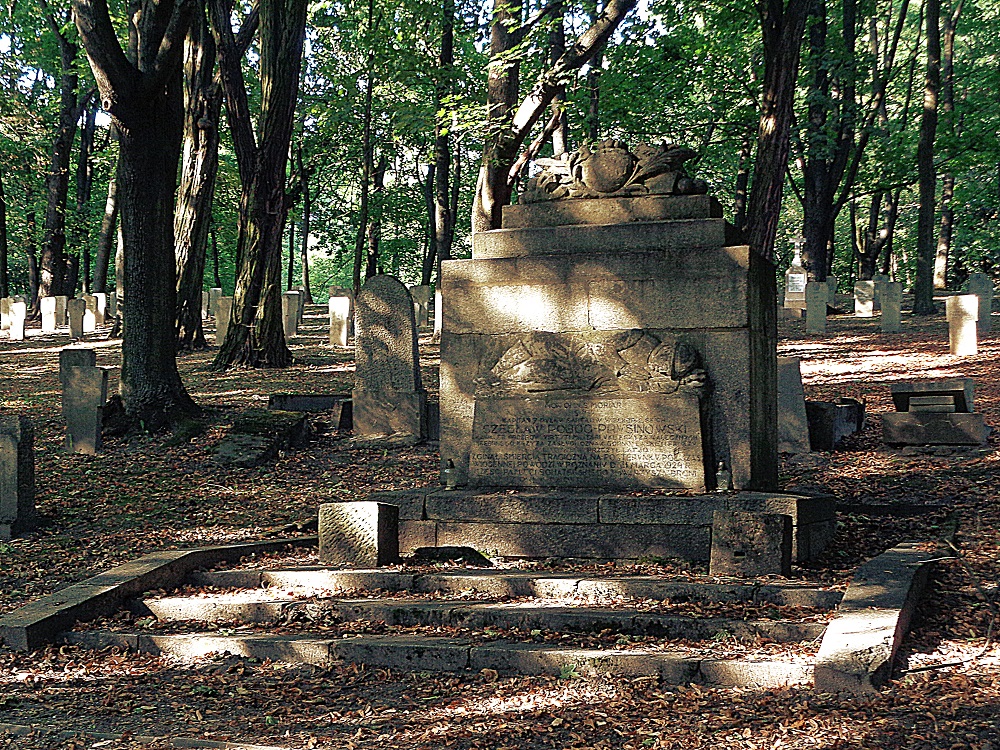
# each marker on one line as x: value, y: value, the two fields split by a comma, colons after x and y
x: 646, y: 440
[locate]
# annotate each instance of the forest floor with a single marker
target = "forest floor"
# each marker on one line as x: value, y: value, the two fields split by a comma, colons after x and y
x: 143, y: 494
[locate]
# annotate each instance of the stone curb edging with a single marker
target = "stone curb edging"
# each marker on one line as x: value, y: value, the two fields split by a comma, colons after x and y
x: 40, y: 622
x: 455, y: 655
x: 861, y: 642
x: 20, y: 730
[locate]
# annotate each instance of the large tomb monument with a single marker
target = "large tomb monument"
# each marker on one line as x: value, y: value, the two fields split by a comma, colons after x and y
x: 608, y: 360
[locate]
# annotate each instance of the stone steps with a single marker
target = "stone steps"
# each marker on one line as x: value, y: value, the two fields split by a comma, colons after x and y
x: 451, y: 655
x: 523, y: 583
x: 474, y: 616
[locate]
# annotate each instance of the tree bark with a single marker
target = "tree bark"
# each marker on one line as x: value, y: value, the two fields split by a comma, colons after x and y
x: 782, y: 27
x: 199, y: 168
x: 256, y: 336
x: 429, y: 258
x: 923, y: 287
x: 743, y: 179
x: 52, y: 280
x: 375, y: 222
x: 143, y: 93
x: 4, y: 265
x: 107, y: 236
x: 84, y: 186
x: 305, y: 172
x: 444, y: 218
x: 947, y: 227
x: 557, y: 48
x: 367, y: 162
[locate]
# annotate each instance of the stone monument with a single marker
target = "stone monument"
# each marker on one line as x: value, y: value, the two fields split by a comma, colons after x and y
x: 18, y: 316
x: 962, y: 312
x: 796, y: 279
x: 421, y: 304
x: 17, y: 475
x: 76, y: 309
x: 389, y: 400
x: 223, y: 312
x: 892, y: 303
x: 817, y: 294
x: 290, y: 313
x: 981, y: 285
x: 85, y: 391
x: 864, y: 299
x: 5, y: 303
x: 340, y: 320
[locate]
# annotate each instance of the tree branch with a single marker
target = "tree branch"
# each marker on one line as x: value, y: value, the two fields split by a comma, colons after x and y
x: 114, y: 74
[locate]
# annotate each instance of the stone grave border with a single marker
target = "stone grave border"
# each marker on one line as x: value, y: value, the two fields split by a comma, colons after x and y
x: 40, y: 622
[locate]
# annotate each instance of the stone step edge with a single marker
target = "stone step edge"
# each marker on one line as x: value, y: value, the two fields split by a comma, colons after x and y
x: 193, y: 743
x: 405, y: 612
x: 39, y: 622
x: 454, y: 655
x: 554, y: 586
x: 861, y: 642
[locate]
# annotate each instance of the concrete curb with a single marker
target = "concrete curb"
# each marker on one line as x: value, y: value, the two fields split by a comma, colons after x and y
x: 861, y: 641
x: 41, y: 621
x: 456, y: 655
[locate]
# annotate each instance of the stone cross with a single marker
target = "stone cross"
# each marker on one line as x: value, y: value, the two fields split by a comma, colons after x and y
x: 17, y: 475
x: 962, y: 312
x: 864, y: 299
x: 340, y: 320
x: 981, y: 285
x: 389, y: 400
x: 76, y: 309
x: 223, y: 312
x: 85, y: 391
x: 47, y: 305
x: 892, y: 303
x: 290, y: 313
x: 816, y: 295
x: 18, y: 314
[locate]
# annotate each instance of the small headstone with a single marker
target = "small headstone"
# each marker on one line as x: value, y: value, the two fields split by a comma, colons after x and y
x: 18, y: 314
x: 438, y: 312
x: 223, y: 312
x: 340, y: 320
x: 981, y: 285
x: 302, y: 302
x: 389, y: 400
x: 100, y: 307
x: 832, y: 421
x: 47, y: 306
x: 5, y: 303
x: 290, y: 313
x: 892, y: 302
x: 75, y: 311
x: 421, y: 304
x: 796, y: 279
x: 750, y: 544
x: 90, y: 313
x: 816, y: 297
x: 362, y: 533
x: 17, y: 475
x: 962, y: 312
x: 113, y: 304
x: 864, y: 299
x: 832, y: 282
x: 61, y: 301
x: 793, y: 425
x: 880, y: 280
x: 85, y: 391
x: 204, y: 304
x: 214, y: 295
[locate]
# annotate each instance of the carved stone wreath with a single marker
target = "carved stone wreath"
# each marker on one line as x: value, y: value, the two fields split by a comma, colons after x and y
x: 609, y: 169
x: 632, y: 361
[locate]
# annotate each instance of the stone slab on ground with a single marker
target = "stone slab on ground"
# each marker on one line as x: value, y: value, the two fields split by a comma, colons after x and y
x: 861, y: 641
x: 339, y: 404
x: 258, y: 435
x: 35, y: 624
x: 933, y: 428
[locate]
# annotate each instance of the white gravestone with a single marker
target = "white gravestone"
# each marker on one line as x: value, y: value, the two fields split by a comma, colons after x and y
x: 864, y: 299
x: 213, y: 299
x: 340, y: 320
x: 100, y: 307
x: 892, y: 303
x: 962, y: 312
x: 5, y: 303
x: 223, y: 312
x: 47, y: 305
x: 18, y: 314
x: 90, y: 314
x: 290, y: 314
x: 61, y: 301
x: 816, y: 296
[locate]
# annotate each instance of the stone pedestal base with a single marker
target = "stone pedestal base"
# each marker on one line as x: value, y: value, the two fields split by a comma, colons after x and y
x: 365, y: 534
x: 933, y: 428
x: 382, y: 414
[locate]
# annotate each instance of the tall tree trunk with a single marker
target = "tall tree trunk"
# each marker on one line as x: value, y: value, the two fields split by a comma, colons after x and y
x: 367, y: 159
x: 4, y: 266
x: 782, y: 27
x: 557, y: 48
x: 429, y: 258
x: 923, y: 288
x: 594, y: 84
x: 31, y: 251
x: 444, y: 217
x: 292, y: 248
x: 143, y: 93
x: 375, y: 222
x: 199, y: 168
x: 84, y: 186
x: 256, y: 336
x: 947, y: 227
x: 743, y: 179
x: 108, y: 235
x: 53, y: 256
x: 305, y: 172
x: 216, y: 278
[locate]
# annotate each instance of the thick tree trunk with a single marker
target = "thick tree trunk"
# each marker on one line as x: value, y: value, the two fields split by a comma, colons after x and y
x: 256, y: 335
x: 4, y: 265
x: 743, y: 180
x: 305, y: 172
x: 947, y: 227
x: 375, y: 223
x: 557, y: 48
x: 923, y: 288
x: 444, y: 218
x: 429, y: 258
x: 782, y: 28
x: 106, y: 238
x: 31, y: 251
x: 367, y: 164
x: 199, y: 168
x: 291, y: 252
x: 84, y: 186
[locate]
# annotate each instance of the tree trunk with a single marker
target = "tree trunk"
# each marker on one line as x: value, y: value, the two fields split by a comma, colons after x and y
x: 84, y: 186
x: 743, y: 179
x: 923, y: 288
x: 200, y: 166
x: 594, y: 85
x: 106, y: 238
x: 557, y: 48
x: 305, y: 172
x: 782, y: 28
x: 444, y: 217
x: 31, y: 251
x: 947, y: 226
x: 216, y: 278
x: 256, y: 336
x: 367, y: 161
x: 429, y: 259
x: 375, y: 223
x: 4, y: 272
x: 143, y: 93
x: 291, y: 251
x: 52, y: 281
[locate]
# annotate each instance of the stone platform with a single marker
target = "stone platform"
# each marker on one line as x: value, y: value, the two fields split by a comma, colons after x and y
x: 605, y: 526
